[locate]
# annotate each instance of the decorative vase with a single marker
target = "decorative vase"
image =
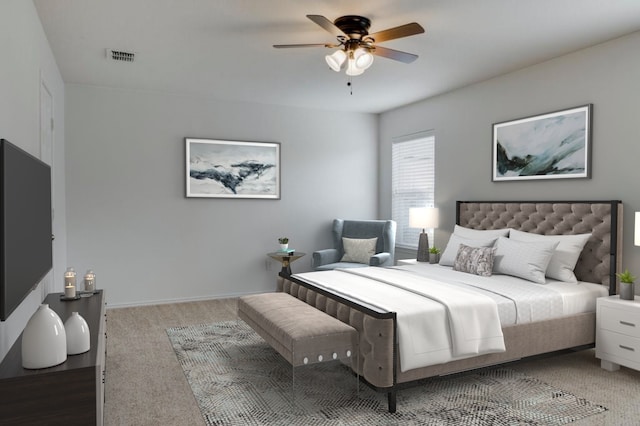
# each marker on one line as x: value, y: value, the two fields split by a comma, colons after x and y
x: 78, y: 336
x: 434, y: 257
x: 44, y: 340
x: 627, y: 291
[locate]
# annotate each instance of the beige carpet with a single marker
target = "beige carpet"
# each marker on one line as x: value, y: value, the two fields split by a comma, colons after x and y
x: 145, y: 384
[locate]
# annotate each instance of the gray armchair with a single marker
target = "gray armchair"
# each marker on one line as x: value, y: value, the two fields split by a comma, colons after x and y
x: 384, y: 230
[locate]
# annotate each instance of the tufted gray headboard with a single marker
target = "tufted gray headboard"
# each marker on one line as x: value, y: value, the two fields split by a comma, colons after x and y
x: 601, y: 256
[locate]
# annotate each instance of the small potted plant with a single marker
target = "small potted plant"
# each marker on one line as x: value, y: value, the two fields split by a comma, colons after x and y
x: 284, y: 243
x: 434, y: 255
x: 627, y: 287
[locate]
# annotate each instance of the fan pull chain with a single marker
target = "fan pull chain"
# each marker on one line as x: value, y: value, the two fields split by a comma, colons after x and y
x: 350, y: 86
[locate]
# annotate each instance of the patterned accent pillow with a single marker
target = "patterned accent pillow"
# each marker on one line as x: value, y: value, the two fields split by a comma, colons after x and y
x: 474, y: 260
x: 358, y: 251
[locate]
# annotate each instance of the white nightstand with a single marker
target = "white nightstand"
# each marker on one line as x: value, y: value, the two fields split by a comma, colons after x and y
x: 618, y: 332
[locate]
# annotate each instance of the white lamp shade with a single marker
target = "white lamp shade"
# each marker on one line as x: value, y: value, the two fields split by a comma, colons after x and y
x: 336, y: 59
x: 44, y: 340
x: 636, y: 236
x: 423, y: 217
x: 363, y: 58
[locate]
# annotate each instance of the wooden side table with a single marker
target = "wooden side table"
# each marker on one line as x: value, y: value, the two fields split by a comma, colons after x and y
x: 65, y: 394
x: 285, y: 258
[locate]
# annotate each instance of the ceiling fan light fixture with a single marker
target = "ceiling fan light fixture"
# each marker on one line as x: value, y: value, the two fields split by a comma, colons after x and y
x: 356, y: 46
x: 336, y: 59
x: 363, y: 58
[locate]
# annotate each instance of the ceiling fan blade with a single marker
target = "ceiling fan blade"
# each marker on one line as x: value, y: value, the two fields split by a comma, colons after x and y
x: 396, y: 55
x: 327, y: 25
x: 397, y: 32
x: 288, y: 46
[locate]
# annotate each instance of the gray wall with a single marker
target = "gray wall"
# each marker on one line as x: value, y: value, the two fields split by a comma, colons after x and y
x: 28, y: 60
x: 606, y: 75
x: 128, y: 217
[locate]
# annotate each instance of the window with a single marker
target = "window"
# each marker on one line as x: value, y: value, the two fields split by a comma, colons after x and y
x: 412, y: 182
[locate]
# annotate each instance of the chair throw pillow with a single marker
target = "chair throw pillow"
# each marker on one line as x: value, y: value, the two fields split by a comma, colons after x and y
x: 358, y: 250
x: 474, y: 260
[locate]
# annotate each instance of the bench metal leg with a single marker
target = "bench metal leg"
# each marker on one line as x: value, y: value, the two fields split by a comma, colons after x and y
x: 351, y: 356
x: 357, y: 372
x: 391, y: 399
x: 293, y: 385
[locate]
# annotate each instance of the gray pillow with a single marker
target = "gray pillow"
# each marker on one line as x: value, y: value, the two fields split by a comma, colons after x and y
x: 479, y: 234
x: 525, y: 260
x: 451, y: 250
x: 474, y: 260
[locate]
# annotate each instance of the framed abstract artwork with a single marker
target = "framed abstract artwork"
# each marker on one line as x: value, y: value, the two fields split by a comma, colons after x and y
x: 555, y: 145
x: 232, y: 169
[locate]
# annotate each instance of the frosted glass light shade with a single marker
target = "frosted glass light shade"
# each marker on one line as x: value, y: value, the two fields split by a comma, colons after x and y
x: 336, y: 59
x: 352, y: 68
x: 44, y: 340
x: 78, y: 336
x: 423, y: 217
x: 363, y: 58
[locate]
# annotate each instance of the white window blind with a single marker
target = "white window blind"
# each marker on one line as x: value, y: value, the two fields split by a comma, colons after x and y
x: 413, y: 182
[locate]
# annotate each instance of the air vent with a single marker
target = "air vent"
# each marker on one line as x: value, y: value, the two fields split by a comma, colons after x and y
x: 120, y: 55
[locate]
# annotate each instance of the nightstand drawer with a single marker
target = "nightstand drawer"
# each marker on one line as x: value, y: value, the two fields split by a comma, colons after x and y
x: 618, y: 345
x: 620, y: 321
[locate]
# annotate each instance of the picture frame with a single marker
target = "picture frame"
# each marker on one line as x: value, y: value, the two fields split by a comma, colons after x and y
x: 232, y: 169
x: 555, y: 145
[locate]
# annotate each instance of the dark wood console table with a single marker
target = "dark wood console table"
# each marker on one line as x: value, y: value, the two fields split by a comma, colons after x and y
x: 69, y: 393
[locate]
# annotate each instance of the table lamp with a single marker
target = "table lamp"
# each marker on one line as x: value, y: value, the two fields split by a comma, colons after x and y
x: 423, y: 217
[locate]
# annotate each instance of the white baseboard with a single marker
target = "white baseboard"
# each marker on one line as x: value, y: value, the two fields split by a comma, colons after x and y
x: 179, y: 300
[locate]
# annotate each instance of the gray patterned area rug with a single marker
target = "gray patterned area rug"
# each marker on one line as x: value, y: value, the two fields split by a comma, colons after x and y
x: 238, y: 379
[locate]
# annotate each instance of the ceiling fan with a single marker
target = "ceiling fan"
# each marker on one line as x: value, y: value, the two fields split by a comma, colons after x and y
x: 356, y: 45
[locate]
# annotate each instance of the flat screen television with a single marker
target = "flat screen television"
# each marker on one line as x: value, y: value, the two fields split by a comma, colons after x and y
x: 26, y: 250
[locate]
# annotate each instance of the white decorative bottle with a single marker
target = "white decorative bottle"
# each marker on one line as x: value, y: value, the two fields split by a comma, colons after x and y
x: 78, y: 336
x: 44, y: 340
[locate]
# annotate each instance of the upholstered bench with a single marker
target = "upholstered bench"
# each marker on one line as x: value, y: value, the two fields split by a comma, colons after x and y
x: 301, y: 333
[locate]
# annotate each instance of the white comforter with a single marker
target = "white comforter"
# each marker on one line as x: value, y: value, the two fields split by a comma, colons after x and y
x: 445, y: 323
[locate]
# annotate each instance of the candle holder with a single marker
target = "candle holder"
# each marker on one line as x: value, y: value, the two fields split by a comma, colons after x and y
x: 70, y: 285
x: 90, y: 281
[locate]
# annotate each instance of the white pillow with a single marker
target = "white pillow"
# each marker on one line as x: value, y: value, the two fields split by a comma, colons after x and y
x: 564, y: 260
x: 523, y: 259
x: 451, y: 250
x: 476, y: 234
x: 358, y: 250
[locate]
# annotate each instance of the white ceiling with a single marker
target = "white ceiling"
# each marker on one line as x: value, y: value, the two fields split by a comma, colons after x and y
x: 223, y: 48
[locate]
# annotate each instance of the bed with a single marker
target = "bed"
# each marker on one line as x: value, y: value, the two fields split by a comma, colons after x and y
x: 383, y: 364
